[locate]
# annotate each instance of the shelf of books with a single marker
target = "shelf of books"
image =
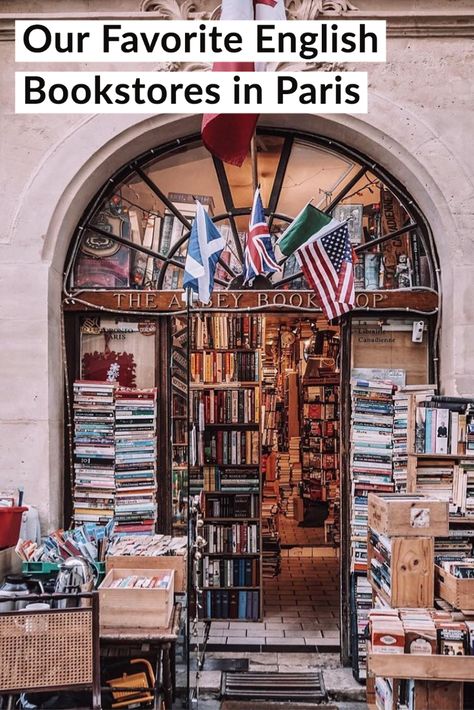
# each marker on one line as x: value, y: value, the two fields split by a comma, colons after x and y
x: 320, y: 447
x: 115, y: 456
x: 225, y: 406
x: 371, y: 469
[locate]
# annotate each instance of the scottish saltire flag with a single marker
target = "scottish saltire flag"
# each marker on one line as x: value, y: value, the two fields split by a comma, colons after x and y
x: 327, y: 262
x: 259, y: 256
x: 204, y: 248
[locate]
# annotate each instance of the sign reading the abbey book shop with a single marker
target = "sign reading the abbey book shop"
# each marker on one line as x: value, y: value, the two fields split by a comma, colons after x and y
x: 423, y: 300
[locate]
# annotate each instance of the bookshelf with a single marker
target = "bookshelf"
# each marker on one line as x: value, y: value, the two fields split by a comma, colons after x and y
x: 442, y: 465
x: 225, y: 401
x: 320, y: 447
x: 179, y: 425
x: 401, y: 552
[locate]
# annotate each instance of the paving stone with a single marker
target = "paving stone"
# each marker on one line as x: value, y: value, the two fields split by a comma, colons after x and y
x: 236, y: 632
x: 274, y: 633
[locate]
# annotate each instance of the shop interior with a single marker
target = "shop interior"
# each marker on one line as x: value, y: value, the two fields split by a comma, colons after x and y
x: 296, y: 371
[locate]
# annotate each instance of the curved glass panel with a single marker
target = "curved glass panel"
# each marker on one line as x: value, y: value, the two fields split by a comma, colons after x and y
x: 138, y: 236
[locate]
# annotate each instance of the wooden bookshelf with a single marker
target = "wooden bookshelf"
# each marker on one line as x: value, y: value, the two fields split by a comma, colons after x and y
x: 320, y: 444
x: 243, y: 601
x: 416, y: 458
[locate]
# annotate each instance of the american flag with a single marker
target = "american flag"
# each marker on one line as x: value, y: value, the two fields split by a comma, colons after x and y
x: 327, y: 263
x: 259, y: 256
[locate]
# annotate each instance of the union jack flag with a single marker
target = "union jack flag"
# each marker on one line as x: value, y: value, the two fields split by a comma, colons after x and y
x: 259, y: 256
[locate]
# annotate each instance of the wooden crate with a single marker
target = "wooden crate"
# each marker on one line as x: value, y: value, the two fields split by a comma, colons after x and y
x: 135, y: 608
x: 458, y: 592
x: 416, y: 666
x: 408, y: 515
x: 411, y: 572
x: 176, y: 562
x: 445, y: 695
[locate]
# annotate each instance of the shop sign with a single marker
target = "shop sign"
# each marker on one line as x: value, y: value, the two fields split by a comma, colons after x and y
x: 163, y: 301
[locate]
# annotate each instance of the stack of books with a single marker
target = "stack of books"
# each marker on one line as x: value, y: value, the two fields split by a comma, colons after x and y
x: 436, y: 482
x: 284, y: 470
x: 400, y: 440
x: 380, y: 562
x: 400, y: 429
x: 269, y: 419
x: 135, y: 460
x: 271, y: 550
x: 371, y: 457
x: 94, y: 452
x: 363, y: 604
x: 463, y: 489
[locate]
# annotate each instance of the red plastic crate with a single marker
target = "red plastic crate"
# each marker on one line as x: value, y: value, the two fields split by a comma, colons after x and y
x: 10, y: 523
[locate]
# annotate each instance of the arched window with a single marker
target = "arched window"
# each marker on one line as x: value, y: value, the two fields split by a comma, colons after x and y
x: 134, y: 233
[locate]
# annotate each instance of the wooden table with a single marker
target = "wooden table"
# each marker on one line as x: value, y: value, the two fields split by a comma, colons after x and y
x: 161, y: 640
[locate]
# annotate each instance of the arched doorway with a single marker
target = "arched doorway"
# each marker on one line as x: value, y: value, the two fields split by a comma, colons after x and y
x: 127, y: 257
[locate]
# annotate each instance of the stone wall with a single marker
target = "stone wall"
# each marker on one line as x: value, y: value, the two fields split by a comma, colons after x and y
x: 419, y: 127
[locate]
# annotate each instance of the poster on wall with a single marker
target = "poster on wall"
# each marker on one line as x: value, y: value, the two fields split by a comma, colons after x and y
x: 118, y: 351
x: 352, y: 214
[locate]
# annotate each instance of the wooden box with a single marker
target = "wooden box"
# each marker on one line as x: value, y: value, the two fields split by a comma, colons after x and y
x: 176, y: 562
x: 411, y: 572
x: 406, y: 515
x: 130, y: 608
x: 458, y: 592
x: 418, y: 667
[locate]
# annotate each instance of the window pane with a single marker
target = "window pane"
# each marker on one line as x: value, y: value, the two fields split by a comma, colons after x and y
x: 120, y: 349
x: 183, y: 175
x: 313, y: 173
x: 240, y: 179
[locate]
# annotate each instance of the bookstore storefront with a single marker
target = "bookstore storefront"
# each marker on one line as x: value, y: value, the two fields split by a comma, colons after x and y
x: 254, y: 409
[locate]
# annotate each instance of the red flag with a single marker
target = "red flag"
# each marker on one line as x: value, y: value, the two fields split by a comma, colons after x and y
x: 228, y: 136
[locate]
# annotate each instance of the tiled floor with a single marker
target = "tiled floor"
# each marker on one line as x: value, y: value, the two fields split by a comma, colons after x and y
x: 301, y: 608
x: 292, y: 534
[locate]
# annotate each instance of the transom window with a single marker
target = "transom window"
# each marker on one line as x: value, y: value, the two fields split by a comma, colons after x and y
x: 134, y: 233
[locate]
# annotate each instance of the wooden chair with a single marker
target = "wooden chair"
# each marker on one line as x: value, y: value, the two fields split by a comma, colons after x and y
x: 53, y: 649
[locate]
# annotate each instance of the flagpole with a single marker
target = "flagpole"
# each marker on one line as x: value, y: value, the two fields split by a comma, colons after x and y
x: 253, y: 158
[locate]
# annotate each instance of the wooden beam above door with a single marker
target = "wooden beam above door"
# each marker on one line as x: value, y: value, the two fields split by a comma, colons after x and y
x: 416, y: 300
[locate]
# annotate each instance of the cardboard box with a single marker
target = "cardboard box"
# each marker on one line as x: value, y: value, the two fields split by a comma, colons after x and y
x: 407, y: 515
x: 136, y: 608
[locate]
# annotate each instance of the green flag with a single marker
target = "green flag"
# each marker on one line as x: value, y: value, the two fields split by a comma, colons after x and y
x: 309, y: 224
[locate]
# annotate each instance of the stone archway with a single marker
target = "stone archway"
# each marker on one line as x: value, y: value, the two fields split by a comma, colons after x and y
x: 80, y: 163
